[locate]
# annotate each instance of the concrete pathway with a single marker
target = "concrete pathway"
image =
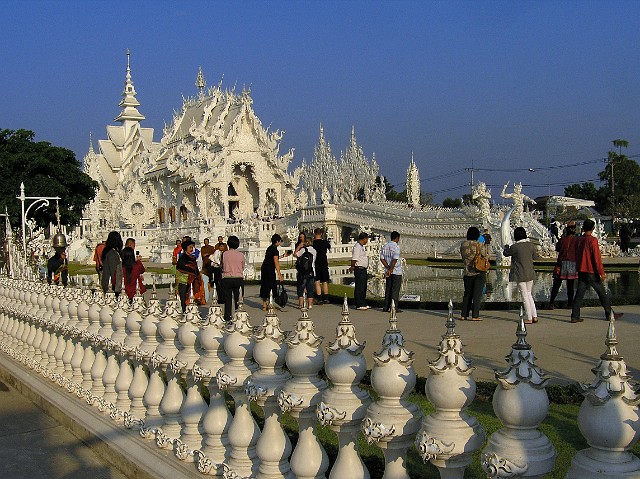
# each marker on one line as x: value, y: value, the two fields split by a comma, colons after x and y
x: 34, y: 446
x: 566, y: 351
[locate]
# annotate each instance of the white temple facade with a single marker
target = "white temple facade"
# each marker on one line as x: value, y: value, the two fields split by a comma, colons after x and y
x: 217, y: 171
x: 215, y: 165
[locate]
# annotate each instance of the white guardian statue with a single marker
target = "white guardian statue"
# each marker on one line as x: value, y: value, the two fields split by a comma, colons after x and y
x: 483, y: 196
x: 519, y: 199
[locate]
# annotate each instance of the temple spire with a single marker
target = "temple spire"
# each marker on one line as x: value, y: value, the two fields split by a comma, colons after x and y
x: 90, y: 143
x: 201, y: 84
x: 129, y: 103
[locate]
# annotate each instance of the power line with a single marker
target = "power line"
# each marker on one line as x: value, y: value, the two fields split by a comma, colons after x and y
x: 515, y: 170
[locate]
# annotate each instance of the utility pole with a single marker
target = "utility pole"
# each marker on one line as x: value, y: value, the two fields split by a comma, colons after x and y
x: 471, y: 170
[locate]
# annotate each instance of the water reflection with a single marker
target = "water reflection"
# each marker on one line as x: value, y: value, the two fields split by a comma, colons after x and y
x: 440, y: 284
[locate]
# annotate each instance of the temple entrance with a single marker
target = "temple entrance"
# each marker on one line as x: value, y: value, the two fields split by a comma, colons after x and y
x: 234, y: 210
x: 242, y: 192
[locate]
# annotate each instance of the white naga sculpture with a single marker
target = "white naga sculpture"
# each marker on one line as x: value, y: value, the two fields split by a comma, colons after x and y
x: 482, y: 195
x: 519, y: 198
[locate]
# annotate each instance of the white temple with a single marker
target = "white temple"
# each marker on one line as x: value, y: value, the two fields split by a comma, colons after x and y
x: 218, y: 171
x: 214, y: 165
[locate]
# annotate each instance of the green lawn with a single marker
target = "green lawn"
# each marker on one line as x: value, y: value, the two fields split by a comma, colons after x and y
x: 560, y: 427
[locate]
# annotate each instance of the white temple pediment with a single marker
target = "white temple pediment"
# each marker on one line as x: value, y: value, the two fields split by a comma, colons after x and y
x: 214, y: 140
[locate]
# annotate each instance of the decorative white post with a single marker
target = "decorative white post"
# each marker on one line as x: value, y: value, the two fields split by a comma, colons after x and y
x: 155, y: 387
x: 243, y: 431
x: 301, y: 395
x: 520, y: 401
x: 172, y: 400
x: 608, y: 419
x: 344, y: 404
x: 193, y: 407
x: 392, y: 421
x: 273, y: 446
x: 217, y: 419
x: 449, y: 437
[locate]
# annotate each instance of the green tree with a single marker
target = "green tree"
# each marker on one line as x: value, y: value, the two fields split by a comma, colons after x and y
x: 584, y: 191
x: 452, y: 203
x: 622, y: 177
x: 619, y: 196
x: 45, y: 170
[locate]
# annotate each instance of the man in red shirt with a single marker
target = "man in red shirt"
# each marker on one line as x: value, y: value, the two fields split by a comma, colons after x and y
x: 590, y: 272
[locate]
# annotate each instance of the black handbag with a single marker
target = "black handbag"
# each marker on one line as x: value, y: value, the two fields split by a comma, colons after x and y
x: 282, y: 297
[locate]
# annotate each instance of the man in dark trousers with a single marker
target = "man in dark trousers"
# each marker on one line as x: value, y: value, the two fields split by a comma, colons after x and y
x: 590, y: 272
x: 359, y: 265
x: 390, y: 258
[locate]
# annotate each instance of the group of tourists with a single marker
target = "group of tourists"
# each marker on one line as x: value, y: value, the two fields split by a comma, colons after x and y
x: 222, y: 266
x: 312, y: 269
x: 119, y: 265
x: 578, y: 259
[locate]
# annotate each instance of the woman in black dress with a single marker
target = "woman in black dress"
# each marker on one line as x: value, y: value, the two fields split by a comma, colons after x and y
x: 270, y: 267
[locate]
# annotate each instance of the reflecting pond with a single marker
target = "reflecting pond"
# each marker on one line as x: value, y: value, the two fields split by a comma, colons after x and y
x: 439, y: 284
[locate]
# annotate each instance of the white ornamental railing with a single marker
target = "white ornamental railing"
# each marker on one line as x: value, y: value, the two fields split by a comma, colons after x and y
x: 129, y: 361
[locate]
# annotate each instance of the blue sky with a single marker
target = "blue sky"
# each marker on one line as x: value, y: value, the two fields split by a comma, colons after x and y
x: 502, y: 86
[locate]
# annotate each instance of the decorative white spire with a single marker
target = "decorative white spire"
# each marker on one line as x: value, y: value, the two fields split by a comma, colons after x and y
x: 201, y: 84
x: 91, y: 152
x: 413, y: 184
x: 129, y: 103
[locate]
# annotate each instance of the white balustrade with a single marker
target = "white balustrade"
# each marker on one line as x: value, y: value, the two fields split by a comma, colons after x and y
x: 608, y: 419
x: 344, y: 404
x: 101, y: 350
x: 273, y: 447
x: 217, y: 419
x: 521, y: 403
x: 392, y: 421
x: 301, y: 395
x: 449, y: 436
x: 232, y: 377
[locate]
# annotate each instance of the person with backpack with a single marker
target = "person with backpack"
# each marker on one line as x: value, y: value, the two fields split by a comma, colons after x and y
x: 305, y: 267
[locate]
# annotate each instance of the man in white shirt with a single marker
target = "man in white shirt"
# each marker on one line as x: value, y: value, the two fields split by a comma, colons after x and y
x: 390, y: 258
x: 359, y: 265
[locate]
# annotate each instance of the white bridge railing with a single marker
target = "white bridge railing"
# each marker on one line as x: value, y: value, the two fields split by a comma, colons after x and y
x: 132, y: 362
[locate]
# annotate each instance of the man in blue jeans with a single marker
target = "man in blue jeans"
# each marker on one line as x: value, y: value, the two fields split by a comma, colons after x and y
x: 359, y: 265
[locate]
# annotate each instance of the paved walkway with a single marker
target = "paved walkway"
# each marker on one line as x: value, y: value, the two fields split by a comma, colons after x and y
x: 566, y: 351
x: 35, y: 446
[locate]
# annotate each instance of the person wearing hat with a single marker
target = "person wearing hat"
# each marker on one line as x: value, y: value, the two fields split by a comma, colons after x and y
x: 565, y: 269
x: 359, y: 265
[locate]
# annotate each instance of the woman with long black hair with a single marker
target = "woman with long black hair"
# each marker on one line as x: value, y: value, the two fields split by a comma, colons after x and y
x: 112, y: 263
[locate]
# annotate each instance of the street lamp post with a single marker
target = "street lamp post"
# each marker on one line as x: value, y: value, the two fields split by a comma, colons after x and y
x: 533, y: 170
x: 41, y: 201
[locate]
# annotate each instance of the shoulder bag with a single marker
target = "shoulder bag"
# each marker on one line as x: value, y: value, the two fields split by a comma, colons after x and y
x: 480, y: 263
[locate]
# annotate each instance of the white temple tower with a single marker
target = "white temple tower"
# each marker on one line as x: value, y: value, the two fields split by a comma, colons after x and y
x: 413, y: 184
